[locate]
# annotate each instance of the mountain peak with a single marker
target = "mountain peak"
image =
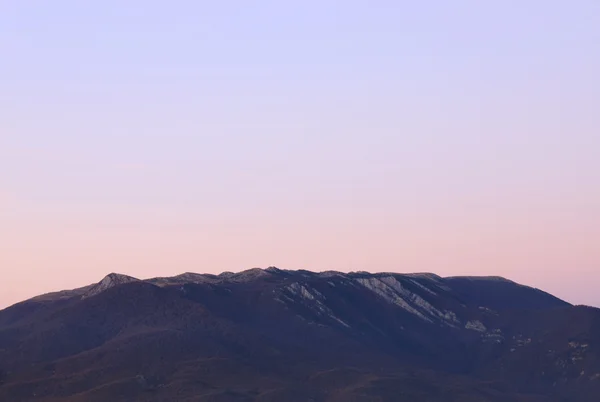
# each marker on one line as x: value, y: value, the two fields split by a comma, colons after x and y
x: 111, y: 280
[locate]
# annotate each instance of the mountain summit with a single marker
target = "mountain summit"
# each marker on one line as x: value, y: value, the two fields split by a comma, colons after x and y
x: 281, y: 335
x: 109, y: 281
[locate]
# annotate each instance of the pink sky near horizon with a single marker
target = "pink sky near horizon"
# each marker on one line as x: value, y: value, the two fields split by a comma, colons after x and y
x: 172, y: 243
x: 457, y: 139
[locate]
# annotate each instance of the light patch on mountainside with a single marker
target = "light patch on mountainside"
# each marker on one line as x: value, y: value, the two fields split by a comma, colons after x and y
x: 476, y: 326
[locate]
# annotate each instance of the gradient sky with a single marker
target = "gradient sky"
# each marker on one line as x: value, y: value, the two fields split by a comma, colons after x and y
x: 153, y: 138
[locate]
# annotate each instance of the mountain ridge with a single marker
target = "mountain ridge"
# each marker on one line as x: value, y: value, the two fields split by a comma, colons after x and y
x: 114, y: 278
x: 273, y: 334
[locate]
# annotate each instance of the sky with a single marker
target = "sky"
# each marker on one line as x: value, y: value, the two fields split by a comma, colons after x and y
x: 152, y: 138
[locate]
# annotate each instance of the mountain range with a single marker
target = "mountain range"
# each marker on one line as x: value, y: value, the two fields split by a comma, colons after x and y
x: 281, y: 335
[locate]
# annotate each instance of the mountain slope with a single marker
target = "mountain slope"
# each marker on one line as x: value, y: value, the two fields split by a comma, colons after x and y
x: 501, y: 294
x: 272, y: 335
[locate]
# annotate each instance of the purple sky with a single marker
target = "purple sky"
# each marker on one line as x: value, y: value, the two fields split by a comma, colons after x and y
x: 152, y: 138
